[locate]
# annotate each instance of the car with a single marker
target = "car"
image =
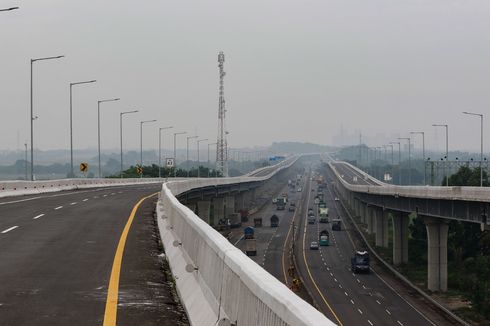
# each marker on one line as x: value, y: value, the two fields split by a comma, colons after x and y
x: 292, y: 203
x: 312, y: 189
x: 299, y: 189
x: 314, y: 245
x: 337, y: 199
x: 291, y: 208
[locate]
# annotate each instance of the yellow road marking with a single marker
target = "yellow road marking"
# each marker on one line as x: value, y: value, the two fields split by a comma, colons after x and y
x: 110, y: 314
x: 308, y: 268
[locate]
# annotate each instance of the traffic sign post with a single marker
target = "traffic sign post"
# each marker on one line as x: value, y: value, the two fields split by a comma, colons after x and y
x: 139, y: 170
x: 170, y: 162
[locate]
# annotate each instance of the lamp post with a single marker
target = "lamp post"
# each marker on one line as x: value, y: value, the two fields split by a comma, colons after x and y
x: 160, y: 149
x: 121, y: 135
x: 98, y: 126
x: 187, y: 149
x: 32, y: 105
x: 198, y: 167
x: 175, y: 150
x: 447, y: 151
x: 399, y: 161
x: 209, y: 162
x: 409, y: 160
x: 423, y: 152
x: 9, y: 9
x: 481, y: 143
x: 391, y: 145
x: 141, y: 140
x: 72, y: 174
x: 25, y: 162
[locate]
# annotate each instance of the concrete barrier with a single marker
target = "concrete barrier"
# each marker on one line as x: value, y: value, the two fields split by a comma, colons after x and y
x: 217, y: 283
x: 19, y: 188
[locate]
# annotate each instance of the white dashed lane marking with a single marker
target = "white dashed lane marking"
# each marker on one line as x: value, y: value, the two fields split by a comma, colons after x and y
x: 10, y: 229
x: 37, y: 216
x: 74, y: 203
x: 59, y: 207
x: 388, y: 312
x: 370, y: 323
x: 399, y: 322
x: 85, y: 199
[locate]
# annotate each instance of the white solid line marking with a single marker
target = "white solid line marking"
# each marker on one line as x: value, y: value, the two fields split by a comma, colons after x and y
x: 378, y: 302
x: 74, y: 203
x: 370, y: 322
x: 360, y: 311
x: 85, y: 199
x: 388, y: 312
x: 10, y: 229
x: 59, y: 207
x: 399, y: 322
x: 38, y: 216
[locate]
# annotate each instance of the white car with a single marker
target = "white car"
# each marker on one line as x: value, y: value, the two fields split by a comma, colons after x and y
x: 337, y: 199
x: 299, y: 189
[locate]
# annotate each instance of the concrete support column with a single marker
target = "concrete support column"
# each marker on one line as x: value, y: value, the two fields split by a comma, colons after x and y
x: 437, y: 230
x: 204, y: 210
x: 357, y: 206
x: 239, y: 202
x: 370, y: 219
x: 229, y: 205
x: 191, y: 206
x: 400, y: 238
x: 363, y: 212
x: 381, y: 217
x: 218, y: 209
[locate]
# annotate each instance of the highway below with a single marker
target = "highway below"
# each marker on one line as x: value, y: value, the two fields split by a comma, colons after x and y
x: 344, y: 297
x: 59, y: 259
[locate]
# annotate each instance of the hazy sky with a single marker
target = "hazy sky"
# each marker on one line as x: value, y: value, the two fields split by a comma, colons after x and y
x: 296, y: 70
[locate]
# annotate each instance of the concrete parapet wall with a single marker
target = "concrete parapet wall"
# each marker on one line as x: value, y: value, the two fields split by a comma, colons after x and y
x: 217, y: 282
x: 18, y: 188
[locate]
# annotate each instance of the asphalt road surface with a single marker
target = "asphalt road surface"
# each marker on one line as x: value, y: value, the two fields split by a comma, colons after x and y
x: 57, y: 252
x: 352, y: 176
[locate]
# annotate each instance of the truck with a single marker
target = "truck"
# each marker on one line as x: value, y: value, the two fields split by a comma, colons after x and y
x: 324, y: 238
x: 251, y: 247
x: 281, y: 203
x: 311, y: 219
x: 336, y: 225
x: 248, y: 232
x: 274, y: 221
x: 323, y: 215
x: 244, y: 215
x: 235, y: 220
x: 258, y: 222
x: 360, y: 262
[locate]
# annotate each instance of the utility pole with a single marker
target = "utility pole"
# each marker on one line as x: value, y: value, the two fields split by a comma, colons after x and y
x: 222, y: 145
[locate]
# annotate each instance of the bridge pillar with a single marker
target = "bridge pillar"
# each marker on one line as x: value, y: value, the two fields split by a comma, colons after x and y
x: 437, y: 230
x: 218, y: 209
x: 357, y: 206
x: 371, y: 211
x: 191, y: 206
x: 363, y: 212
x: 229, y: 205
x: 400, y: 238
x: 240, y: 201
x: 204, y: 210
x: 381, y: 218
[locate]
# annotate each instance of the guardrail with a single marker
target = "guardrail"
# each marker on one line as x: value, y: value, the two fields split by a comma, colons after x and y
x: 217, y: 283
x: 17, y: 188
x: 479, y: 194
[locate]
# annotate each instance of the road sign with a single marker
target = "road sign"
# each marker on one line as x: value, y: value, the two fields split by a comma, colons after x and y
x: 139, y: 170
x: 170, y: 162
x: 83, y: 167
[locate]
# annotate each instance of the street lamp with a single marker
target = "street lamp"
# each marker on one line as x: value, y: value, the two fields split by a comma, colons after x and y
x: 409, y: 160
x: 447, y: 151
x: 72, y: 174
x: 98, y: 126
x: 9, y: 9
x: 423, y: 151
x: 198, y: 167
x: 141, y: 140
x: 399, y: 161
x: 121, y: 134
x: 391, y: 145
x: 175, y: 150
x: 32, y: 106
x: 481, y: 143
x: 187, y: 163
x: 209, y: 163
x: 160, y: 149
